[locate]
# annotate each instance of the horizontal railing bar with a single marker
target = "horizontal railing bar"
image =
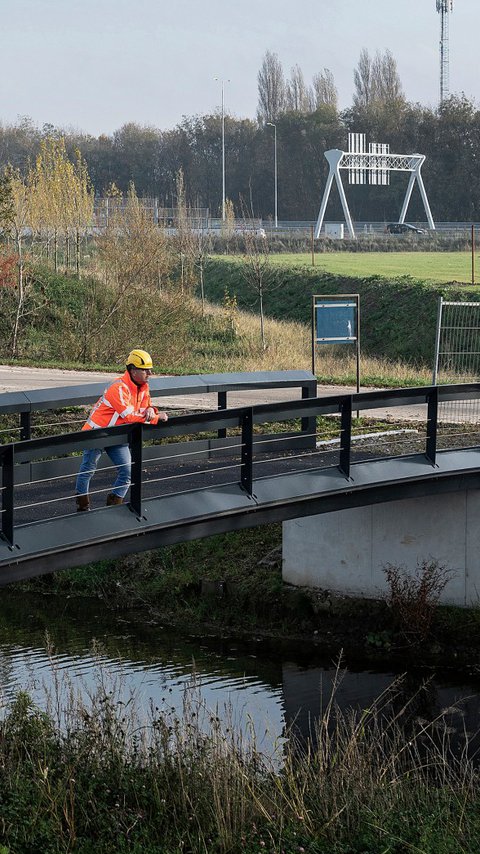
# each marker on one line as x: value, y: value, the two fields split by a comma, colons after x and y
x: 31, y: 449
x: 310, y: 454
x: 284, y: 411
x: 166, y: 457
x: 190, y: 473
x: 208, y: 421
x: 71, y: 474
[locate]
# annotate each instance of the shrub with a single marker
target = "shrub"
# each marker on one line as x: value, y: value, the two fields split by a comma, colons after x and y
x: 413, y: 598
x: 8, y: 273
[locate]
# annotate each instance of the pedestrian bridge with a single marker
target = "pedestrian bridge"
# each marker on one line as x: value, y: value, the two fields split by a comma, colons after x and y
x: 211, y: 472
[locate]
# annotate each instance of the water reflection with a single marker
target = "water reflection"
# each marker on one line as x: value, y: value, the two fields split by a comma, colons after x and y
x: 47, y: 644
x: 48, y: 647
x: 414, y: 699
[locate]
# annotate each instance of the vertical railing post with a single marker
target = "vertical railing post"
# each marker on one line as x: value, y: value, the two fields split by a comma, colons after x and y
x: 246, y: 471
x: 222, y: 404
x: 136, y: 447
x: 345, y: 435
x: 309, y: 425
x: 8, y: 494
x: 25, y: 426
x: 432, y: 424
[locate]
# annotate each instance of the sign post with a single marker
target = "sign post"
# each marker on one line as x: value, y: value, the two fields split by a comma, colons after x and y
x: 336, y: 320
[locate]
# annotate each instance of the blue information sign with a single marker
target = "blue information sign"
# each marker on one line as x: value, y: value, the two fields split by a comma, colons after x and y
x: 335, y: 322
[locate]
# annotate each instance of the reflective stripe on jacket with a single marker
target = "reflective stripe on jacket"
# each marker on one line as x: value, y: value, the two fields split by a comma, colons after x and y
x: 122, y: 402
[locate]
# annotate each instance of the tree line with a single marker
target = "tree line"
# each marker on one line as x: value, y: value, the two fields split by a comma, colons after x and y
x: 308, y: 122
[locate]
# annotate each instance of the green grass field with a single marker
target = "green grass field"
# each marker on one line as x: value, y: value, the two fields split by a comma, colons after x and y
x: 427, y: 266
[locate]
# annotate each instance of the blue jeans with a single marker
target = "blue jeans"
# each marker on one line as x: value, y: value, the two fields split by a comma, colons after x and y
x: 120, y: 457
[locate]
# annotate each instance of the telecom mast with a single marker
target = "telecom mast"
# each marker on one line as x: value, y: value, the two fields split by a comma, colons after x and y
x: 444, y: 7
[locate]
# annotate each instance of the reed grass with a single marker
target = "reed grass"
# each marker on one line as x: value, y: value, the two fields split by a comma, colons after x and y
x: 97, y: 773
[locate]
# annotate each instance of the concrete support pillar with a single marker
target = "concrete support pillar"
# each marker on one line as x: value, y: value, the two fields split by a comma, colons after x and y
x: 346, y: 551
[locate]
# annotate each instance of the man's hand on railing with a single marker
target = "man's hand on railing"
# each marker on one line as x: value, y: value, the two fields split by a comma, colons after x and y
x: 151, y: 412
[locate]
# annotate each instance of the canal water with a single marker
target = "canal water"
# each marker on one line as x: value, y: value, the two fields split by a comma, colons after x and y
x: 50, y: 644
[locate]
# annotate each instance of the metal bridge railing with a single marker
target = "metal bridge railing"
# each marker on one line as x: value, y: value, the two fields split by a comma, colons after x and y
x: 253, y: 452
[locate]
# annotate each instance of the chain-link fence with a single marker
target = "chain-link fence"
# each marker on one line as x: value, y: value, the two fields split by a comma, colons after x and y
x: 457, y: 357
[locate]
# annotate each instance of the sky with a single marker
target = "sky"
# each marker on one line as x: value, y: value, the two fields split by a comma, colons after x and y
x: 94, y: 65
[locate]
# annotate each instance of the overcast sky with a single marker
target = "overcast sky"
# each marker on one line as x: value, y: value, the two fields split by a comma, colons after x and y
x: 96, y: 64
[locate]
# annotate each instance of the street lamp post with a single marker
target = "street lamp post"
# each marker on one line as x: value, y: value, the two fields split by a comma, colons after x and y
x: 223, y: 143
x: 273, y: 125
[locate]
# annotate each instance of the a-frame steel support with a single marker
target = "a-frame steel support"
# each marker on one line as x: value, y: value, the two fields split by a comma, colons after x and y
x: 372, y: 163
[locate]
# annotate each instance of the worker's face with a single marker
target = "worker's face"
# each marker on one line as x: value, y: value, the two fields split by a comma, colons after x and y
x: 141, y: 375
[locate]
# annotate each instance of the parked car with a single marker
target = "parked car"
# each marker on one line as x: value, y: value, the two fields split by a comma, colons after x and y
x: 403, y: 228
x: 251, y: 229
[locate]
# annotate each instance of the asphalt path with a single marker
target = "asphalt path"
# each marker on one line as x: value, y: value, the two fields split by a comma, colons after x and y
x: 15, y: 378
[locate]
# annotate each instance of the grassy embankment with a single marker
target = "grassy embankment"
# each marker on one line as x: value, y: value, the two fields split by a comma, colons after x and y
x: 397, y: 319
x: 398, y: 315
x: 69, y: 330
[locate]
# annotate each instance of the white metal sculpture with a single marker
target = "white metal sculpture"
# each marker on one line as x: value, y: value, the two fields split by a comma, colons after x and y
x: 372, y: 167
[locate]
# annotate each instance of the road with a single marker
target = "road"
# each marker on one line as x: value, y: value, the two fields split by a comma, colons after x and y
x: 16, y: 378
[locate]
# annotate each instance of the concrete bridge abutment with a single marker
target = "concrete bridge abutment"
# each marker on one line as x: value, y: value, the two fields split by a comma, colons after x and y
x: 346, y: 551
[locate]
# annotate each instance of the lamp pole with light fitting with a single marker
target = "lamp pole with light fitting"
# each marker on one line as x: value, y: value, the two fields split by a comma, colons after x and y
x: 273, y: 125
x: 223, y: 143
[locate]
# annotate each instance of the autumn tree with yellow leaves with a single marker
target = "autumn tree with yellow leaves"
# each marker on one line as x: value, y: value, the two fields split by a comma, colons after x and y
x: 62, y: 199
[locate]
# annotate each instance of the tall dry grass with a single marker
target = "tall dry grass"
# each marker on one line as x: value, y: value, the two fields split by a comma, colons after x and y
x: 99, y: 769
x: 289, y: 348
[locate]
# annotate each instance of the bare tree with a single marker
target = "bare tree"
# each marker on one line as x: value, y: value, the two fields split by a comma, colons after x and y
x: 200, y: 250
x: 324, y: 89
x: 193, y: 242
x: 271, y: 88
x: 135, y: 252
x: 386, y: 80
x: 184, y: 238
x: 363, y: 80
x: 298, y: 96
x: 258, y: 273
x: 377, y: 81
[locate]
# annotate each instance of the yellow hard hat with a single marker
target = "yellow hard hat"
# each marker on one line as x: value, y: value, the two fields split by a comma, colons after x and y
x: 140, y: 359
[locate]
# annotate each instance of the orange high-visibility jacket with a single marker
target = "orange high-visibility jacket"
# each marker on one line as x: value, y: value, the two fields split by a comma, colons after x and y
x: 121, y: 403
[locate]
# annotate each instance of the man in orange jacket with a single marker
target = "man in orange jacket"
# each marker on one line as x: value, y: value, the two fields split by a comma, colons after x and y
x: 125, y: 401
